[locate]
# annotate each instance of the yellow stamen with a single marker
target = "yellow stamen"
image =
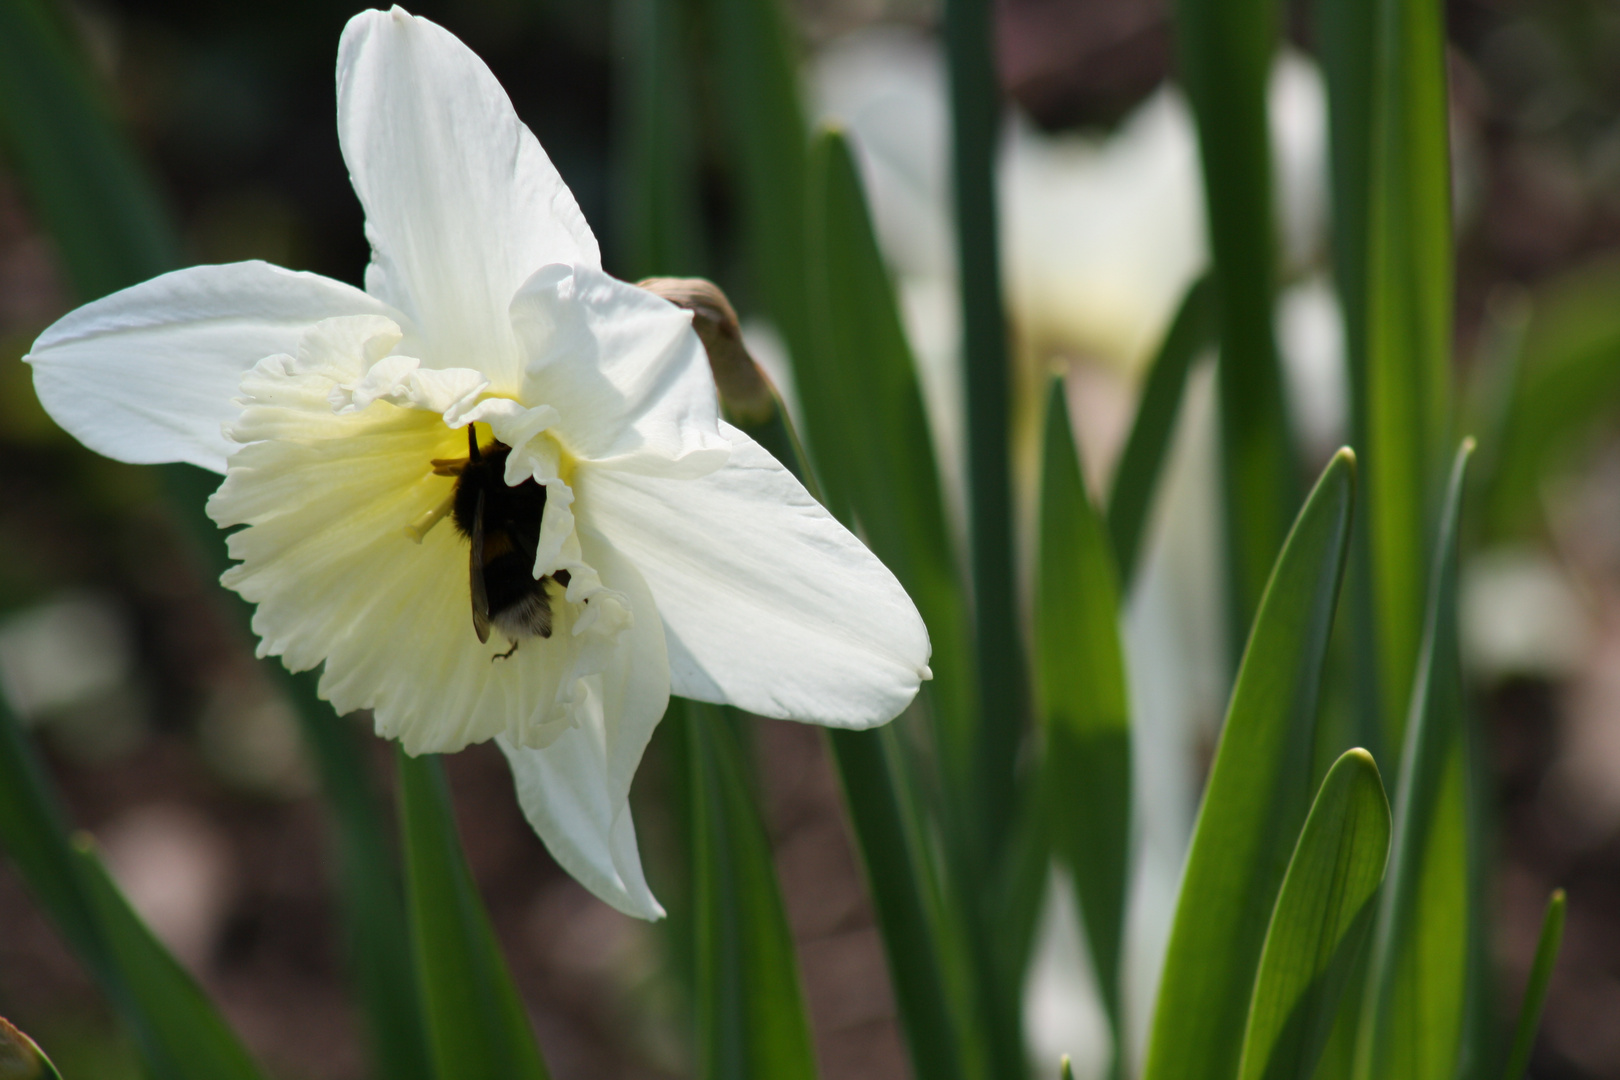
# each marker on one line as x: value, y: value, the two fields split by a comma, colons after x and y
x: 417, y: 529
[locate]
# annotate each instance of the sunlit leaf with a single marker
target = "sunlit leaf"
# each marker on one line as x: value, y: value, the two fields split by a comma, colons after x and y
x: 1256, y: 799
x: 1413, y: 1021
x: 1387, y: 81
x: 1320, y: 924
x: 476, y: 1024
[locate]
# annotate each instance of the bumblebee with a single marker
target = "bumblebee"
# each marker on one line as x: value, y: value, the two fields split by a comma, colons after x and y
x: 502, y: 527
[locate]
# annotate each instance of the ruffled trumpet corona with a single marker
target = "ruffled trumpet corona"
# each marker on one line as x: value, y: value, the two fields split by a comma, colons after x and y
x: 613, y: 538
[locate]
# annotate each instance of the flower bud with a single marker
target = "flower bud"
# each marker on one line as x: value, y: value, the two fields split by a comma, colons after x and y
x: 745, y: 391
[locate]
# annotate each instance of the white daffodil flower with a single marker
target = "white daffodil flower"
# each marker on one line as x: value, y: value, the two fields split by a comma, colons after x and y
x: 626, y: 542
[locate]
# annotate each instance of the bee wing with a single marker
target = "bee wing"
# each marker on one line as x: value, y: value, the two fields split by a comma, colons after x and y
x: 475, y: 576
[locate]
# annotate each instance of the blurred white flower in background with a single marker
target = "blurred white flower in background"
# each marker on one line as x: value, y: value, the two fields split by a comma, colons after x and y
x: 1520, y: 616
x: 68, y: 650
x: 68, y: 664
x: 1101, y: 236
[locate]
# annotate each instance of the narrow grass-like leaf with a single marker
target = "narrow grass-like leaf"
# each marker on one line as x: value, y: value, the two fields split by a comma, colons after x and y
x: 1417, y: 988
x: 756, y: 73
x: 371, y: 889
x: 975, y: 112
x: 78, y: 171
x: 928, y: 975
x: 750, y: 1010
x: 476, y: 1023
x: 188, y: 1038
x: 1256, y: 799
x: 1225, y: 48
x: 1082, y: 701
x: 21, y: 1058
x: 1323, y: 913
x: 33, y: 831
x: 1136, y: 479
x: 864, y: 395
x: 659, y: 219
x: 1535, y: 990
x: 1345, y: 43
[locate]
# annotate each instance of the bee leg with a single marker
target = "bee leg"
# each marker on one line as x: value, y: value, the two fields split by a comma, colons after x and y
x: 506, y: 654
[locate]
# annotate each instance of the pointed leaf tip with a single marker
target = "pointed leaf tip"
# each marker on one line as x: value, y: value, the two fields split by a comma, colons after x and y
x: 1535, y: 991
x: 21, y: 1058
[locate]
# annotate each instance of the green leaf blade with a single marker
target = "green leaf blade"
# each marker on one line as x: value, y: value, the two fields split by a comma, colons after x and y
x: 1002, y: 698
x: 476, y: 1023
x: 750, y: 1009
x: 1401, y: 392
x: 1256, y: 799
x: 1225, y: 49
x: 1324, y: 912
x: 864, y: 396
x: 1083, y: 705
x: 757, y: 73
x: 79, y: 172
x: 924, y: 962
x: 658, y: 213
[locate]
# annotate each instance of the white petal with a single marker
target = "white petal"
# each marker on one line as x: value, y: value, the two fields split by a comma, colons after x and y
x: 624, y: 368
x: 462, y: 204
x: 768, y: 602
x: 148, y: 374
x: 576, y: 792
